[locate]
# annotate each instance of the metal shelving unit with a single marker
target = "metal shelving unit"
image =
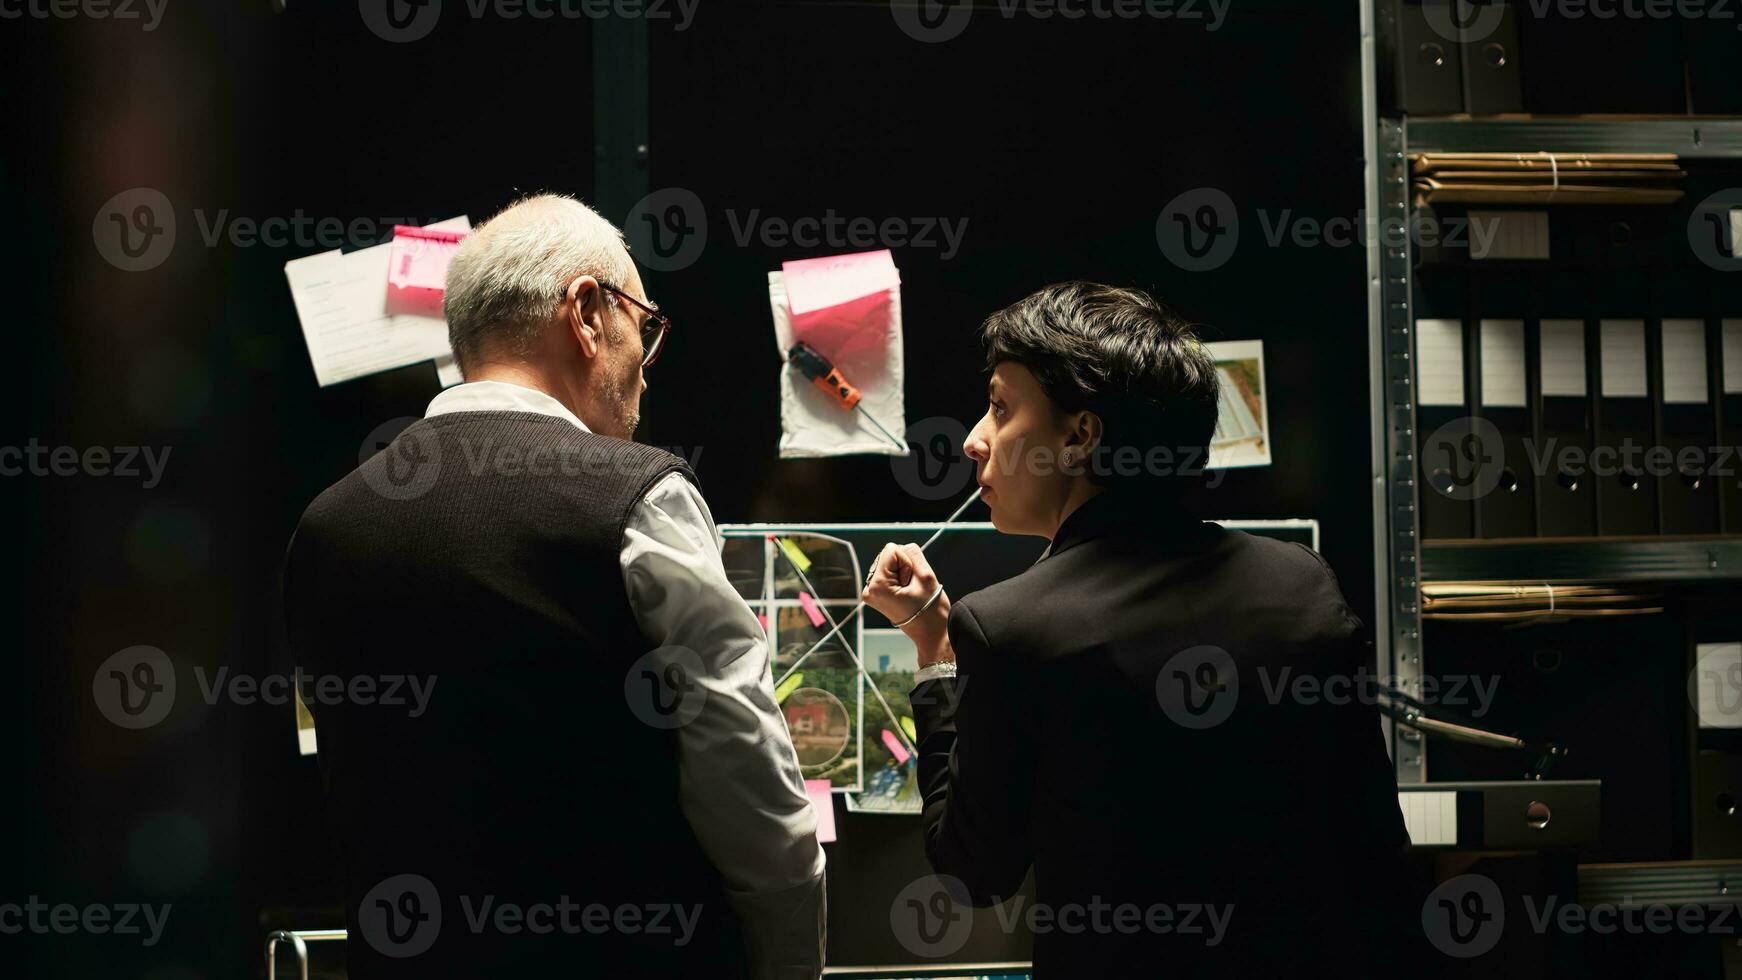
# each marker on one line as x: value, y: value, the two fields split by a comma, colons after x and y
x: 1692, y: 137
x: 1558, y: 560
x: 1401, y: 560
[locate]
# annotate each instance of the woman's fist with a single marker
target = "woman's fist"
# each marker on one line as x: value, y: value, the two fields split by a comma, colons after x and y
x: 901, y: 582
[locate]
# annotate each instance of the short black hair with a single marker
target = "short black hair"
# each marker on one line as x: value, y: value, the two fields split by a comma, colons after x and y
x: 1118, y: 353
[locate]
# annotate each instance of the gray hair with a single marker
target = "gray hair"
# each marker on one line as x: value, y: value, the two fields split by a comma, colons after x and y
x: 509, y: 274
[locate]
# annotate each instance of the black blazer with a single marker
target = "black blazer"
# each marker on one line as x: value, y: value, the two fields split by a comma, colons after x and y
x: 1146, y: 717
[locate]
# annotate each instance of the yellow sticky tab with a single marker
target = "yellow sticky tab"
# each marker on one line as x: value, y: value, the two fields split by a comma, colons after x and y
x: 907, y: 726
x: 798, y: 557
x: 788, y: 686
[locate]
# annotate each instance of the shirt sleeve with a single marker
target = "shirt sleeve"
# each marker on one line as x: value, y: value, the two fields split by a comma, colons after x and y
x: 739, y: 781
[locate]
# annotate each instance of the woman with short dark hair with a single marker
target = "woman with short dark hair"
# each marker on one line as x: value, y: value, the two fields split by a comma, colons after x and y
x: 1126, y: 717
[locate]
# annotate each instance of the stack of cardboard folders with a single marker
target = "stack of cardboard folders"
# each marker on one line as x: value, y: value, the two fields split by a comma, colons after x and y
x: 1546, y: 178
x: 1518, y: 602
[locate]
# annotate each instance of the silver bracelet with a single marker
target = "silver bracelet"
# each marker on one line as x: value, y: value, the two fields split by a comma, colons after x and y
x: 941, y: 669
x: 928, y: 604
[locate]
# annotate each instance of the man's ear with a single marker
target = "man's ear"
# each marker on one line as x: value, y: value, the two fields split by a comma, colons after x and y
x: 585, y: 303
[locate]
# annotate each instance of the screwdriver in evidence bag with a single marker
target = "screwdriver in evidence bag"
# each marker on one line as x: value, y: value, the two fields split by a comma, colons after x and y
x: 827, y: 377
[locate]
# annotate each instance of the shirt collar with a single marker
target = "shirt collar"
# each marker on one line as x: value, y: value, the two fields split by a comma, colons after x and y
x: 499, y: 396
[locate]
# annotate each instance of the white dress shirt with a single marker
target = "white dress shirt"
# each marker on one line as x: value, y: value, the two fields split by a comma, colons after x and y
x: 738, y: 775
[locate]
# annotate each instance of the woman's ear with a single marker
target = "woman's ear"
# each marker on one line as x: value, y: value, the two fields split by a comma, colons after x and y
x: 1084, y: 432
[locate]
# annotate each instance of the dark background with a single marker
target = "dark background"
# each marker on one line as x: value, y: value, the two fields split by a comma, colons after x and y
x: 1058, y: 142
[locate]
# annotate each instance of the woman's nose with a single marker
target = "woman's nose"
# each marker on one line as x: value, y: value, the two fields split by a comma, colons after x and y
x: 976, y: 446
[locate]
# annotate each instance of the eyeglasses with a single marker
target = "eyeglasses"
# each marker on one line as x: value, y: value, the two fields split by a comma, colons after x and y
x: 653, y: 330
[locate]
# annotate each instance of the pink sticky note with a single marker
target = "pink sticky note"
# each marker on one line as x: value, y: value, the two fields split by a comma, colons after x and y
x: 815, y: 284
x: 810, y: 608
x: 824, y: 800
x: 895, y: 747
x: 420, y: 257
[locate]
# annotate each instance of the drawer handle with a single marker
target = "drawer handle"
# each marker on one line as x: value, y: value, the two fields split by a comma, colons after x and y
x: 1536, y: 815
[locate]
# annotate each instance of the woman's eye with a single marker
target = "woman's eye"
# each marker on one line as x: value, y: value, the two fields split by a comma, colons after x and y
x: 997, y: 410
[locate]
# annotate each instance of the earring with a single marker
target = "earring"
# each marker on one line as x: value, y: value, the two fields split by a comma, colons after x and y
x: 1067, y: 457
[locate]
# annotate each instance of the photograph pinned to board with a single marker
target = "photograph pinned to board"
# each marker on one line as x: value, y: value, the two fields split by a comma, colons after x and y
x: 799, y: 584
x: 837, y: 330
x: 891, y: 770
x: 1242, y: 436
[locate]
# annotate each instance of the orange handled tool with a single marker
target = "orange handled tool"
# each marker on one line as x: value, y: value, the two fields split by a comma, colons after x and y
x: 823, y: 374
x: 813, y: 365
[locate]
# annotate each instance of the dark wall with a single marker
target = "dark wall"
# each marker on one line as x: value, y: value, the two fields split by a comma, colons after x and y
x: 1055, y: 147
x: 1057, y: 143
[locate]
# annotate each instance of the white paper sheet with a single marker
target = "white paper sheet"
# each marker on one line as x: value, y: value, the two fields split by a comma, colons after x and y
x: 1439, y: 362
x: 1732, y: 357
x: 1503, y: 364
x: 1684, y: 362
x: 1563, y: 358
x: 341, y: 301
x: 1622, y: 349
x: 1431, y: 817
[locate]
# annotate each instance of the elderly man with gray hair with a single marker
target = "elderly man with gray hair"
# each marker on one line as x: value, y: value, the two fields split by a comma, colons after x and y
x: 600, y: 782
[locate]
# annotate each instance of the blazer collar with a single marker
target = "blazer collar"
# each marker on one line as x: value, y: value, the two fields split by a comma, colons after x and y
x: 1108, y: 512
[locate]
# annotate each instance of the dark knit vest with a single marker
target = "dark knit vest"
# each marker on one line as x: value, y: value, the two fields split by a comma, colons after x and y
x: 527, y: 820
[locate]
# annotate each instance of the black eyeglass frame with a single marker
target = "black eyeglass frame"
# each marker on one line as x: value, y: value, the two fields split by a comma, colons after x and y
x: 651, y: 349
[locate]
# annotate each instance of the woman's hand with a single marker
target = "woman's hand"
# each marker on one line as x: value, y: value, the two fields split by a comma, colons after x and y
x: 901, y: 582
